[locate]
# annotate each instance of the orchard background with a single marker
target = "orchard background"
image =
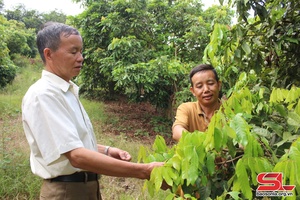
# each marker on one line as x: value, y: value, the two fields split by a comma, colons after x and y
x: 139, y: 52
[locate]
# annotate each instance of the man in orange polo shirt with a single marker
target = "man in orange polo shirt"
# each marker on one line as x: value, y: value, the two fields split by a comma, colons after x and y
x: 206, y: 87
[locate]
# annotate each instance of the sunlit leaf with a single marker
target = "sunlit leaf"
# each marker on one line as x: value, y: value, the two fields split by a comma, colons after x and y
x: 234, y: 195
x: 166, y: 176
x: 218, y: 139
x: 243, y: 179
x: 210, y: 163
x: 294, y: 119
x: 246, y: 48
x: 241, y: 128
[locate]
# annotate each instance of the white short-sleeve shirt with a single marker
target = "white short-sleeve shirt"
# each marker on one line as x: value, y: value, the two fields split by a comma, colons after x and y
x: 55, y: 122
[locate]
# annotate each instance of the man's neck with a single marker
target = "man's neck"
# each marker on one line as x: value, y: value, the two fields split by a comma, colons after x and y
x: 210, y: 110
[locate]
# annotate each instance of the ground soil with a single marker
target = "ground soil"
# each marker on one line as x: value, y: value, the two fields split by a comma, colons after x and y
x: 134, y: 120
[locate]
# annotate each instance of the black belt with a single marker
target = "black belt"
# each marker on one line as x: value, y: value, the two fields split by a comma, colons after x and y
x: 77, y: 177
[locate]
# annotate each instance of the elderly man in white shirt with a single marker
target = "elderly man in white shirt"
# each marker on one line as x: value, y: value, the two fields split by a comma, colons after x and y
x: 64, y: 150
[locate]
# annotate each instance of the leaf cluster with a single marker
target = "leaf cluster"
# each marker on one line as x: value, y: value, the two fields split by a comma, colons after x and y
x: 18, y: 28
x: 224, y: 161
x: 266, y: 41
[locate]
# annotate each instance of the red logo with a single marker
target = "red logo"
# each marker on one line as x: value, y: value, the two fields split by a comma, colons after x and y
x: 272, y: 181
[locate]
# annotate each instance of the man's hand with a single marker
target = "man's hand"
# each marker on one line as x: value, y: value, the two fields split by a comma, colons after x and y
x: 119, y: 154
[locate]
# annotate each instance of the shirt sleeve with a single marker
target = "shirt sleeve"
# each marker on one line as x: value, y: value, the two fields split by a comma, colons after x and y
x: 51, y: 126
x: 182, y: 116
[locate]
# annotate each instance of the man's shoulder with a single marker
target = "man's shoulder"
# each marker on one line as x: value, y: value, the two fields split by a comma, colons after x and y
x: 188, y: 107
x: 41, y: 87
x: 189, y: 104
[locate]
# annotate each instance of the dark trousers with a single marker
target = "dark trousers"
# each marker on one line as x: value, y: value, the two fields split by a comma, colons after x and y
x: 52, y: 190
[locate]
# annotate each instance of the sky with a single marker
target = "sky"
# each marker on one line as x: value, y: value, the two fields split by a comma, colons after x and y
x: 66, y: 6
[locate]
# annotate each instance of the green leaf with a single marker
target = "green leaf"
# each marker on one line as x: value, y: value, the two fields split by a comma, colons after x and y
x: 262, y: 165
x: 176, y: 162
x: 150, y: 187
x: 292, y: 40
x: 286, y: 139
x: 171, y: 196
x: 292, y: 95
x: 231, y: 148
x: 267, y: 145
x: 273, y: 125
x: 185, y: 166
x: 243, y: 180
x: 158, y: 157
x: 251, y: 162
x: 142, y: 154
x: 193, y: 168
x: 208, y: 142
x: 241, y: 128
x: 156, y: 177
x: 297, y: 109
x: 166, y: 175
x: 261, y: 131
x: 246, y: 47
x: 281, y: 109
x: 230, y: 132
x: 218, y: 139
x: 294, y: 119
x: 234, y: 195
x: 159, y: 145
x: 210, y: 163
x: 278, y: 95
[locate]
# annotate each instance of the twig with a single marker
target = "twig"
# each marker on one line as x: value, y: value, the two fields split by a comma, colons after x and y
x: 228, y: 161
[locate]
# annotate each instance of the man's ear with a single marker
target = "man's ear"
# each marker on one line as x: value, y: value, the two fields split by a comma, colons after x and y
x: 192, y: 91
x: 220, y: 85
x: 47, y: 53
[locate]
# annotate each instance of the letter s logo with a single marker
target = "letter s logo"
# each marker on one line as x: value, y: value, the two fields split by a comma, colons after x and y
x: 272, y: 181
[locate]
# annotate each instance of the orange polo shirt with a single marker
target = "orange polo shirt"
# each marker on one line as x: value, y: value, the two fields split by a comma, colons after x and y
x: 191, y: 117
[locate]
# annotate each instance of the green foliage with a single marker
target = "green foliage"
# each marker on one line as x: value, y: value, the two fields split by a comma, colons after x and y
x: 161, y: 125
x: 7, y: 74
x: 17, y: 32
x: 268, y: 43
x: 155, y: 80
x: 131, y: 46
x: 20, y: 40
x: 226, y: 158
x: 33, y: 19
x: 7, y: 69
x: 16, y: 39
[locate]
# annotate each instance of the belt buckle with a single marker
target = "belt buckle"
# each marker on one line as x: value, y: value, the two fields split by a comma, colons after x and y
x: 86, y: 176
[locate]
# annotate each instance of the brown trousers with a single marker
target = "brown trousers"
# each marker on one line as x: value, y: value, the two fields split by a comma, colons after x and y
x: 70, y: 190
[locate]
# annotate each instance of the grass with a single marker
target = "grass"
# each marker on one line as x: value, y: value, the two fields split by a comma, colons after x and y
x: 16, y: 179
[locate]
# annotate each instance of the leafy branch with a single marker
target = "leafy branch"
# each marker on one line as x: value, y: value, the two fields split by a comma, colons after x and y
x: 211, y: 164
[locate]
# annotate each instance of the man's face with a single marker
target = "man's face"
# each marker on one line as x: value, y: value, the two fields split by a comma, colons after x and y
x: 206, y: 88
x: 66, y: 61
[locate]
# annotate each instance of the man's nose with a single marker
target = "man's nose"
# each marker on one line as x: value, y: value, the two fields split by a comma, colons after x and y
x: 80, y: 58
x: 205, y: 88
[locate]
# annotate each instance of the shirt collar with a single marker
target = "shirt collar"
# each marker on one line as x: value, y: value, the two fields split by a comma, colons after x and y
x: 201, y: 112
x: 59, y: 82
